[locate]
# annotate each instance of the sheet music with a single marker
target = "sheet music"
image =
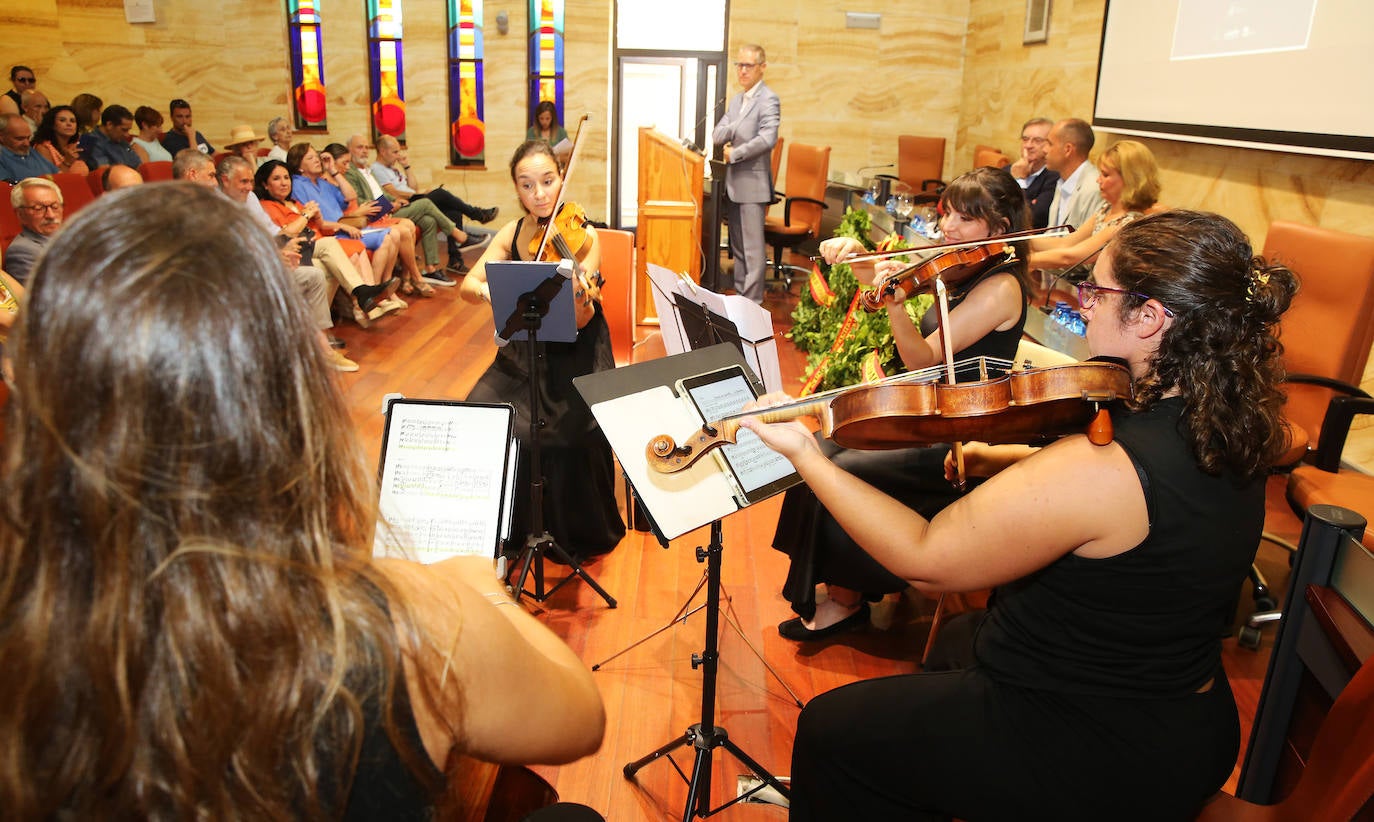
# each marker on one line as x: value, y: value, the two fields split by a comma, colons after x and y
x: 754, y: 323
x: 443, y: 480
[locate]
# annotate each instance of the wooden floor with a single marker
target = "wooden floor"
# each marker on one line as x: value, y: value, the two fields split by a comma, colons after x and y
x: 438, y: 349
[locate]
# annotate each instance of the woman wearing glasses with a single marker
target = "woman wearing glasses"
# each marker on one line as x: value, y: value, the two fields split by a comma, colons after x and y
x: 1096, y: 670
x: 986, y: 316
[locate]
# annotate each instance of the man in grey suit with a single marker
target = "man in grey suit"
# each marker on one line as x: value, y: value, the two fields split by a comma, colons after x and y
x: 749, y: 129
x: 1076, y: 197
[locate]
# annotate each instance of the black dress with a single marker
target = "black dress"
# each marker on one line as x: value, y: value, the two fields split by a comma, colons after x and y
x: 580, y: 510
x: 820, y: 549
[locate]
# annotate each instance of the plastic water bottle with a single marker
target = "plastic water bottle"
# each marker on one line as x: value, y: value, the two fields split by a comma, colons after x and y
x: 1061, y: 314
x: 1076, y: 324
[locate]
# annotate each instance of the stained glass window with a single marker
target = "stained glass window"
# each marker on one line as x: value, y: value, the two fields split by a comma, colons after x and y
x: 466, y: 109
x: 307, y: 63
x: 546, y: 55
x: 384, y: 68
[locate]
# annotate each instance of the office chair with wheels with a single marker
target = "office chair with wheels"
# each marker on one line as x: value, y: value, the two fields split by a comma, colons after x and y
x: 803, y: 201
x: 1326, y: 335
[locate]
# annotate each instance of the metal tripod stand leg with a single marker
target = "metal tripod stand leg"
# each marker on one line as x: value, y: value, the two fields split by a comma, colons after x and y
x: 705, y: 736
x: 731, y: 618
x: 540, y: 541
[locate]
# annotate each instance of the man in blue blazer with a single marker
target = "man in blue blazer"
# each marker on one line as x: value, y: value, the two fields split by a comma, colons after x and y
x: 749, y: 130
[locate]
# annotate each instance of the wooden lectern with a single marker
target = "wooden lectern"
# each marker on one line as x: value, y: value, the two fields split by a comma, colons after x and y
x: 668, y: 228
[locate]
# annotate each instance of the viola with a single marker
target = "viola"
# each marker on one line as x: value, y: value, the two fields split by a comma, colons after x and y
x: 953, y: 266
x: 1023, y: 405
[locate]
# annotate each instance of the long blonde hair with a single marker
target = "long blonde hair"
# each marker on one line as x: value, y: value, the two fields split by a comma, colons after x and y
x: 191, y: 623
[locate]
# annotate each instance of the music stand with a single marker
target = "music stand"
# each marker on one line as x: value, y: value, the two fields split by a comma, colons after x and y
x: 526, y: 293
x: 670, y: 517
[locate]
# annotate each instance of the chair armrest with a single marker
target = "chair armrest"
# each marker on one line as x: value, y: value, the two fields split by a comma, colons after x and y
x: 936, y: 185
x: 787, y: 208
x: 1327, y: 382
x: 1336, y: 427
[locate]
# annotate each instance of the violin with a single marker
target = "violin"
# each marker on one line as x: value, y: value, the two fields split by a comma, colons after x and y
x: 952, y: 266
x: 565, y: 238
x: 565, y: 235
x: 1023, y: 405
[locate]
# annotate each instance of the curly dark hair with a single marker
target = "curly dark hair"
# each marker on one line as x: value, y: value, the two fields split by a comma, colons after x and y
x: 1221, y: 351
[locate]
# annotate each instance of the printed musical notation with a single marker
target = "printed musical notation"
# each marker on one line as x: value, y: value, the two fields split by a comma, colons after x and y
x: 443, y: 479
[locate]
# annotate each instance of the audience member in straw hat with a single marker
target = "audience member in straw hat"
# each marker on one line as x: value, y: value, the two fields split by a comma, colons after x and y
x: 243, y: 141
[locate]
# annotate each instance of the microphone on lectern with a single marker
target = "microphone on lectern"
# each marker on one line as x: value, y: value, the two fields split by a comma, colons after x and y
x: 689, y: 143
x: 862, y: 169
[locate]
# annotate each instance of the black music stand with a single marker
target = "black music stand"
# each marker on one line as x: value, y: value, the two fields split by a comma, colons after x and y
x: 704, y: 736
x: 536, y: 290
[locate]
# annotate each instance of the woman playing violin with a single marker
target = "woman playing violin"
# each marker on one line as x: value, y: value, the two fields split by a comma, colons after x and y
x: 985, y: 318
x: 580, y: 509
x: 1096, y: 689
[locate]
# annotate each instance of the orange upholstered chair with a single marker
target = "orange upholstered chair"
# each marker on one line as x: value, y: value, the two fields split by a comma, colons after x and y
x: 618, y: 267
x: 989, y: 156
x: 156, y: 171
x: 804, y: 199
x: 920, y: 162
x: 9, y: 221
x: 1338, y: 779
x: 1326, y: 336
x: 76, y: 192
x: 1328, y: 331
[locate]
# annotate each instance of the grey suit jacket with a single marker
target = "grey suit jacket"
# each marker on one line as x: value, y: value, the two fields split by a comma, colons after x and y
x: 751, y: 133
x: 1084, y: 202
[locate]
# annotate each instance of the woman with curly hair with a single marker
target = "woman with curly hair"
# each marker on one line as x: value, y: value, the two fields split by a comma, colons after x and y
x: 194, y: 626
x: 1096, y: 670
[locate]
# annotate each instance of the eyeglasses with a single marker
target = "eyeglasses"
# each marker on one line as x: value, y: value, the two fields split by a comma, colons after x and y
x: 1089, y: 292
x: 53, y: 208
x: 746, y: 66
x: 1036, y: 140
x: 28, y: 81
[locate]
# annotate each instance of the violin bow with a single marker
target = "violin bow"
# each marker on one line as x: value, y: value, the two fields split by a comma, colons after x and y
x: 1056, y: 231
x: 563, y: 190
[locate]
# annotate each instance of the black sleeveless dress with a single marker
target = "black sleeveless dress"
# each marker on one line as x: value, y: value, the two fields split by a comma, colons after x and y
x: 820, y: 549
x: 580, y: 510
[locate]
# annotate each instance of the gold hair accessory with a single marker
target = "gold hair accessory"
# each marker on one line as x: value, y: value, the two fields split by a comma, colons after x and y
x: 1258, y: 279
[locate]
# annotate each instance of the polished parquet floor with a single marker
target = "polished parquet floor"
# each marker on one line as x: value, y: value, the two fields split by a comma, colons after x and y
x: 438, y: 349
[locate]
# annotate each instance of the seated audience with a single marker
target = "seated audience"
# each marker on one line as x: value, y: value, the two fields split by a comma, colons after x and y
x: 385, y: 242
x: 280, y: 131
x: 243, y: 141
x: 345, y: 260
x: 421, y: 211
x: 1128, y: 179
x: 392, y: 171
x: 11, y: 294
x: 34, y: 105
x: 195, y: 625
x: 116, y: 177
x: 1076, y: 197
x: 37, y: 202
x: 109, y: 144
x: 18, y: 160
x: 87, y: 108
x: 21, y: 79
x: 193, y: 167
x: 234, y: 179
x: 149, y: 140
x: 1029, y: 170
x: 183, y: 134
x: 1116, y: 568
x: 547, y: 128
x: 57, y: 140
